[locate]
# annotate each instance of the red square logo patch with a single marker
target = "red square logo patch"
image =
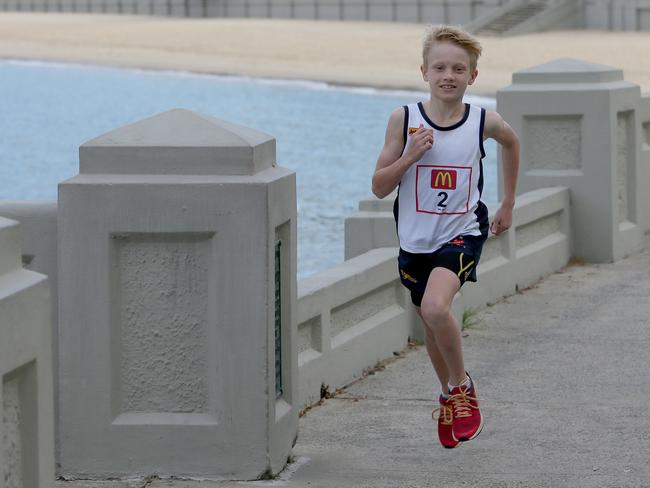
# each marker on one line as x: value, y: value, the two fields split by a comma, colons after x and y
x: 443, y: 179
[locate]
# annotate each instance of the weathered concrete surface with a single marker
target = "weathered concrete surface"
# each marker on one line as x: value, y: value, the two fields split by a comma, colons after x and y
x: 579, y: 125
x: 563, y: 370
x: 168, y: 303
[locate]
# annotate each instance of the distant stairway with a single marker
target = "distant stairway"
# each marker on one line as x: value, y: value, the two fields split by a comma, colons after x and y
x: 512, y: 18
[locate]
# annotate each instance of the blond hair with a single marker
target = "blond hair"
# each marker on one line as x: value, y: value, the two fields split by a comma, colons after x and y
x: 454, y: 35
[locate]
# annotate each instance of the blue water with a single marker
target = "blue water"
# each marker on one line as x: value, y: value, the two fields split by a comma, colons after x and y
x: 330, y: 136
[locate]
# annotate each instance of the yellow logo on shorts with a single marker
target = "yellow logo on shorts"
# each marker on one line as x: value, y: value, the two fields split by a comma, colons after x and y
x: 407, y: 276
x: 464, y: 269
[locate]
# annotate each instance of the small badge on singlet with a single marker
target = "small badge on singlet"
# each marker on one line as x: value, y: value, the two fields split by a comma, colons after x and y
x: 412, y: 130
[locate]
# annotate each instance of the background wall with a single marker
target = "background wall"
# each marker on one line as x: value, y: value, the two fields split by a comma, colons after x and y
x: 625, y: 15
x: 444, y: 11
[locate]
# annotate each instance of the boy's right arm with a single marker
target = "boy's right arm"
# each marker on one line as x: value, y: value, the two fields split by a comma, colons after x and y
x: 392, y: 164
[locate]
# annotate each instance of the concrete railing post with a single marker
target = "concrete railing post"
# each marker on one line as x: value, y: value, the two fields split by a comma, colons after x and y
x: 371, y: 227
x: 177, y: 265
x: 26, y: 396
x: 579, y: 127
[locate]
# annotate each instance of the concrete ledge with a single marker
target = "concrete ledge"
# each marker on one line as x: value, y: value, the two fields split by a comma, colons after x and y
x: 349, y: 318
x: 538, y: 243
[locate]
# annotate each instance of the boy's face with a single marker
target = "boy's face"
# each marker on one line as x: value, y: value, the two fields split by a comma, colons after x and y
x: 448, y: 71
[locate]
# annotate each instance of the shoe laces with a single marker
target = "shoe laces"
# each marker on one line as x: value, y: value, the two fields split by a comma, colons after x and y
x: 463, y: 403
x: 444, y: 414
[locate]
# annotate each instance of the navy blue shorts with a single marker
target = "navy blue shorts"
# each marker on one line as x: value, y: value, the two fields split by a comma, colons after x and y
x: 460, y: 256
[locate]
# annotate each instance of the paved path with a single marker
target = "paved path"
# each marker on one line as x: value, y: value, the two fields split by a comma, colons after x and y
x: 562, y: 369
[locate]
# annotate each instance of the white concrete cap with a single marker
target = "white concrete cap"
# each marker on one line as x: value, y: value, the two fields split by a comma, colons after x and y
x: 179, y: 142
x: 568, y: 70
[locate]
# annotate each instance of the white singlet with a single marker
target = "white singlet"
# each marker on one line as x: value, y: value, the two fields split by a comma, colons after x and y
x: 439, y: 196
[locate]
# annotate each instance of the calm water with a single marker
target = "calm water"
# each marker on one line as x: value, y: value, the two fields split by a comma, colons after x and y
x: 329, y: 136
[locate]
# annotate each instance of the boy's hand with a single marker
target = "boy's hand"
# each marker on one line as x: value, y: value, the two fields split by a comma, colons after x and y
x: 420, y: 142
x: 502, y: 220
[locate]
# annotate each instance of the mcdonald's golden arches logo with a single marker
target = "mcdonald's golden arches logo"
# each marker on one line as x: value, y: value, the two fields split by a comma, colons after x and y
x: 443, y: 179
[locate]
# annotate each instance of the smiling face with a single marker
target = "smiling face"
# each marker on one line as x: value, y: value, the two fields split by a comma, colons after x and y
x: 448, y: 71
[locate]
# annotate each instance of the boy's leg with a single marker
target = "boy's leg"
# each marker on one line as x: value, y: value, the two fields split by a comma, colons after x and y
x: 440, y: 323
x: 437, y: 361
x: 436, y: 311
x: 443, y: 284
x: 445, y: 411
x: 443, y: 414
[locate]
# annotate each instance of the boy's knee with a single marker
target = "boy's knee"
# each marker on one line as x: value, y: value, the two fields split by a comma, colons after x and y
x: 434, y: 311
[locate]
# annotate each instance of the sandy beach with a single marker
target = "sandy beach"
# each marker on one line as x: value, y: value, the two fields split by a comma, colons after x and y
x: 367, y: 54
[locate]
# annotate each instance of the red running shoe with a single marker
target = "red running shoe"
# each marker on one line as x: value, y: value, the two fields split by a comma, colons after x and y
x: 445, y: 422
x: 468, y: 421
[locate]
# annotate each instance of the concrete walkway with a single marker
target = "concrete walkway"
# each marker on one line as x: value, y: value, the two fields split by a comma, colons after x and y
x: 563, y: 372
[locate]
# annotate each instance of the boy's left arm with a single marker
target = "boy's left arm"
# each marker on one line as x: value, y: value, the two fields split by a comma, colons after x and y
x: 499, y: 130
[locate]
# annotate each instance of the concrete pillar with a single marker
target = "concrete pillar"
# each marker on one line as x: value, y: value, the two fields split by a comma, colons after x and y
x: 177, y: 266
x: 26, y: 396
x: 371, y: 227
x: 579, y: 127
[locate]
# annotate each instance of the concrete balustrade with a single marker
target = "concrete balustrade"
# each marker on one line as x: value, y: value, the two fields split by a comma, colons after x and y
x: 177, y: 272
x: 580, y: 127
x: 357, y: 313
x: 350, y: 317
x: 538, y: 243
x: 26, y: 372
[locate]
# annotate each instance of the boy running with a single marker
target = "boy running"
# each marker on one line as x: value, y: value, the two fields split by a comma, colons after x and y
x: 433, y: 152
